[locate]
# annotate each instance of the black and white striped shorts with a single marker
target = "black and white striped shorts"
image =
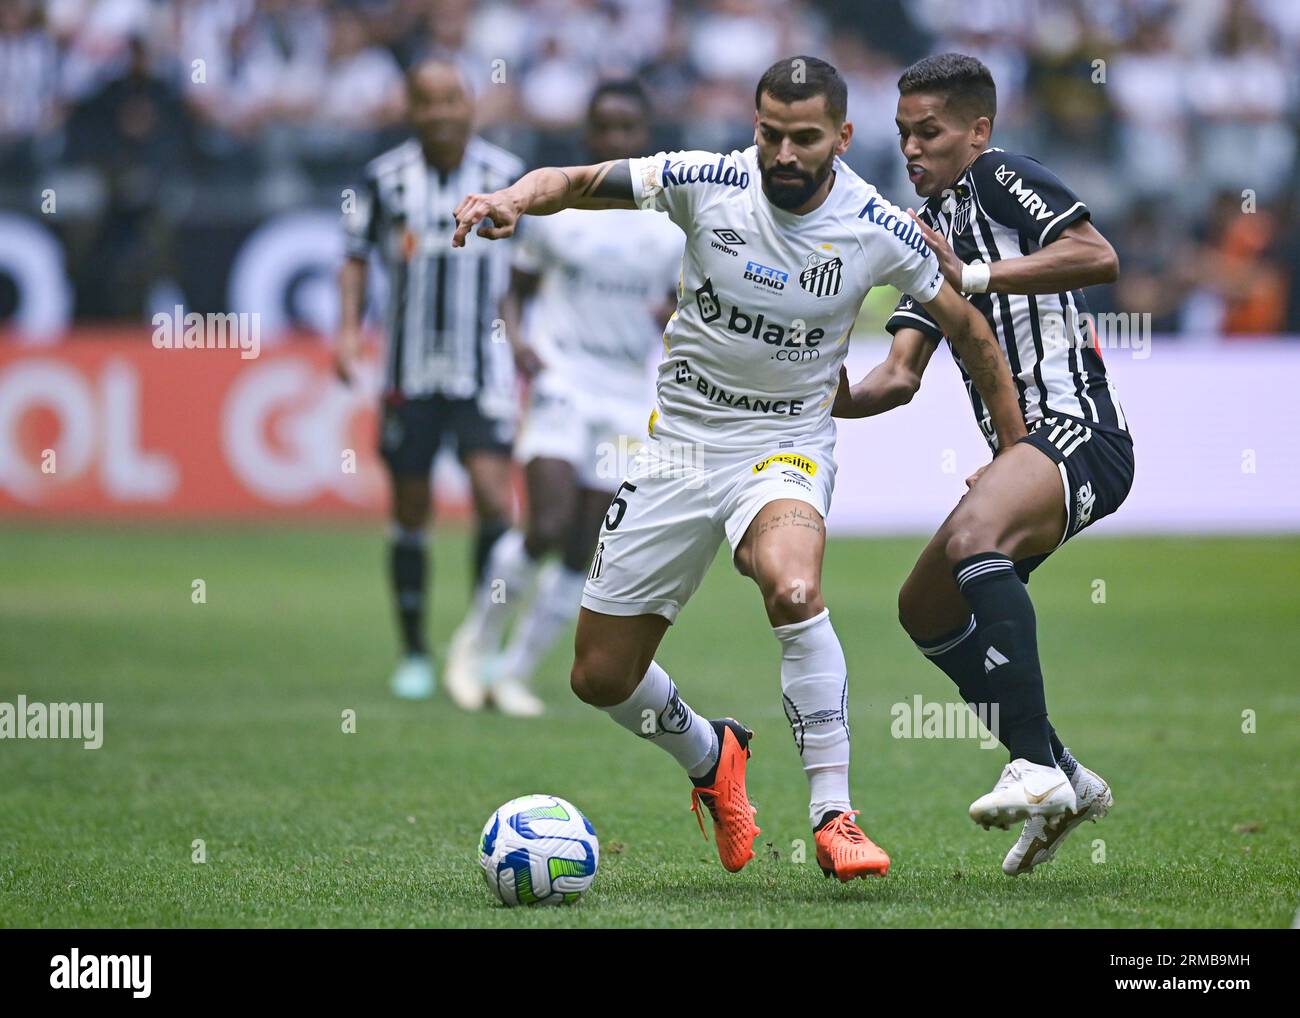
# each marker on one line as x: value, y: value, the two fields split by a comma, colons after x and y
x: 1096, y: 467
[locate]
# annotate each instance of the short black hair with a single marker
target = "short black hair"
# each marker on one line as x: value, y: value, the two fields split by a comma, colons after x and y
x: 962, y: 80
x: 628, y: 88
x: 799, y: 78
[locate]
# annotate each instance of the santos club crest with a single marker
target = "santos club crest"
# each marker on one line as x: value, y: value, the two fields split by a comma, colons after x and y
x: 823, y: 276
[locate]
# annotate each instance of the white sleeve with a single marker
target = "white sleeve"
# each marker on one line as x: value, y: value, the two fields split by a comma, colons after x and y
x: 675, y: 182
x: 904, y: 259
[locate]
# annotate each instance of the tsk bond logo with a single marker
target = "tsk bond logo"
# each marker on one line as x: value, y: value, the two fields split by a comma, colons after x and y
x: 766, y: 276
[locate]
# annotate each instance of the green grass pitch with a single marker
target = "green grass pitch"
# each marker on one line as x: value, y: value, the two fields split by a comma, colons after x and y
x: 223, y: 723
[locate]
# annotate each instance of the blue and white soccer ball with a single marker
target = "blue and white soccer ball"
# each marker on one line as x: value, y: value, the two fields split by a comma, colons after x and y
x: 538, y: 850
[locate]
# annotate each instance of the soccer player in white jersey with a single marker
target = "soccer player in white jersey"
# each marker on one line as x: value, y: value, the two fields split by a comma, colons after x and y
x: 589, y: 296
x: 783, y: 242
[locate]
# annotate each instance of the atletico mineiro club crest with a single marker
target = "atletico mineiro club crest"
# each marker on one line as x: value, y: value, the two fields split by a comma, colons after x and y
x: 823, y: 273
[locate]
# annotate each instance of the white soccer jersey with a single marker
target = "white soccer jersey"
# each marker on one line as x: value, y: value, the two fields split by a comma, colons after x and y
x: 768, y: 298
x: 605, y: 276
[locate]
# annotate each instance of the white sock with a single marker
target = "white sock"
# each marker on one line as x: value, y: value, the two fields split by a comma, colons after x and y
x: 655, y: 711
x: 814, y: 687
x: 507, y: 577
x: 552, y: 608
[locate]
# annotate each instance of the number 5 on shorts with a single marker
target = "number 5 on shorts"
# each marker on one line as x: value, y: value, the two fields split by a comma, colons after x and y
x: 618, y: 506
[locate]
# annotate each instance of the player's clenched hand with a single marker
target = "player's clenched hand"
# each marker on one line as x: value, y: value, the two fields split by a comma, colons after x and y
x: 497, y: 212
x: 949, y: 264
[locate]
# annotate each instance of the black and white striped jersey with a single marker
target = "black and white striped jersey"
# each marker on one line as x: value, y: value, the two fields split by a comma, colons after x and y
x: 1006, y: 206
x: 443, y: 302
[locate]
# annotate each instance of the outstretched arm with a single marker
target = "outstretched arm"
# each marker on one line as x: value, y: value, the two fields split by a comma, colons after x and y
x: 892, y: 382
x: 543, y: 192
x: 974, y: 342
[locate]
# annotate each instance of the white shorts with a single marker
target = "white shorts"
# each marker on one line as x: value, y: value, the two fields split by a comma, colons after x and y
x: 676, y: 505
x: 598, y: 435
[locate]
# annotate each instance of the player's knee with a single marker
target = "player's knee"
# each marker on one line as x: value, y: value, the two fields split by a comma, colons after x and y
x: 411, y: 513
x: 581, y: 681
x: 792, y: 599
x: 967, y: 537
x: 595, y: 683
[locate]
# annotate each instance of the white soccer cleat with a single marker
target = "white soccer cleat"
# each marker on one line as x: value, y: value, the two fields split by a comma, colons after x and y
x: 1024, y: 790
x: 413, y: 679
x: 464, y: 678
x: 512, y: 697
x: 1038, y: 841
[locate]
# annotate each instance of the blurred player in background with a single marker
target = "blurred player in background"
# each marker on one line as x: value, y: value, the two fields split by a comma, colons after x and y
x: 1019, y: 242
x: 783, y: 243
x: 447, y: 374
x: 598, y: 287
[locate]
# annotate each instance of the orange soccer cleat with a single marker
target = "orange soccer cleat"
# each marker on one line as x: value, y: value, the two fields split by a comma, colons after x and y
x: 733, y: 815
x: 844, y: 851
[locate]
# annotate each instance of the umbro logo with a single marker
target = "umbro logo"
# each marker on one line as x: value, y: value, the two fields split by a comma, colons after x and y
x: 993, y: 659
x: 729, y: 236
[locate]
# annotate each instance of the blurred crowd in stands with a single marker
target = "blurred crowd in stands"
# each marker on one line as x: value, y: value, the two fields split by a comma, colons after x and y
x: 1177, y: 122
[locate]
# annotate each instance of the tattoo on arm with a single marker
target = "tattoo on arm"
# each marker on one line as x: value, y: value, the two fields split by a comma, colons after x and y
x: 982, y: 361
x: 611, y: 180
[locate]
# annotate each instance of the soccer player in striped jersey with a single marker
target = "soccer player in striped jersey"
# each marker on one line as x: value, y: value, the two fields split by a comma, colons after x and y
x: 1020, y: 245
x: 446, y: 377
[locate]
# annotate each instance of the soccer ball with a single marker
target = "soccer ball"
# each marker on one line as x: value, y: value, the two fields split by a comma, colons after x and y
x: 538, y: 850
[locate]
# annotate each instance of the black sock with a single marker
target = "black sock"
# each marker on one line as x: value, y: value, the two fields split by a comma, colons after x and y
x: 1008, y: 638
x: 827, y: 817
x: 489, y: 532
x: 407, y: 573
x: 960, y: 656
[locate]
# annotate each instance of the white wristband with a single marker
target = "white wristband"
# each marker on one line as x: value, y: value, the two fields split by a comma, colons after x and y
x: 975, y: 277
